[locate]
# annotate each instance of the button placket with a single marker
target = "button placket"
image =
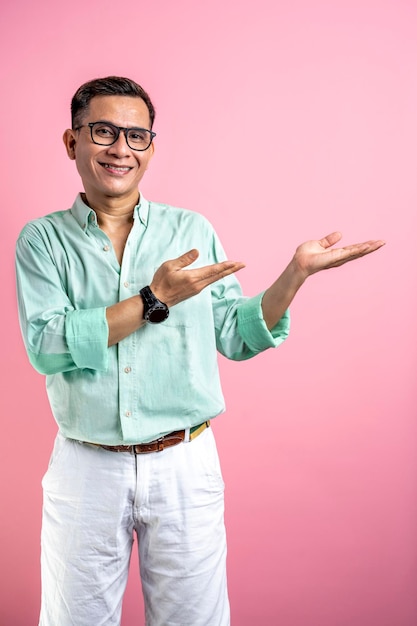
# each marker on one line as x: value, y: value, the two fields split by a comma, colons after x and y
x: 128, y: 373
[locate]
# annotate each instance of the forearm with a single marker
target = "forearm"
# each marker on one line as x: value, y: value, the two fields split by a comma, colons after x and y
x: 80, y: 338
x: 280, y: 294
x: 124, y: 318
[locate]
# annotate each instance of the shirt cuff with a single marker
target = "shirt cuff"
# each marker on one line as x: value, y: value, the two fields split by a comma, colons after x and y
x: 87, y: 335
x: 253, y: 329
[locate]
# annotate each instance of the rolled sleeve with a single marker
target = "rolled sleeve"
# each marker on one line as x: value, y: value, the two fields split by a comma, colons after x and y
x: 87, y: 336
x: 254, y: 331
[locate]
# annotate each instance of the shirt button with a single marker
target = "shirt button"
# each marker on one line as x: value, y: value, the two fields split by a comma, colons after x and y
x: 128, y: 369
x: 106, y: 248
x: 128, y: 413
x: 126, y: 284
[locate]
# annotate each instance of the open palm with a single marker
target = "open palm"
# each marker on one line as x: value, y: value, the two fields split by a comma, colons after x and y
x: 313, y: 256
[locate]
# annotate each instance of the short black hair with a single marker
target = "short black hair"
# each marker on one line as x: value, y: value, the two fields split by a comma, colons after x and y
x: 109, y: 86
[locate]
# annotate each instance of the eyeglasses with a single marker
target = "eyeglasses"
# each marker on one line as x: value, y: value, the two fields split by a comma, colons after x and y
x: 106, y: 134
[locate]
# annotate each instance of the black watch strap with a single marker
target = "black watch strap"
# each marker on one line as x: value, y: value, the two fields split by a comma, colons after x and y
x: 154, y: 311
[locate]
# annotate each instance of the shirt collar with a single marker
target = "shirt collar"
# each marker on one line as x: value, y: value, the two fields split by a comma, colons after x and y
x: 85, y: 215
x: 142, y: 209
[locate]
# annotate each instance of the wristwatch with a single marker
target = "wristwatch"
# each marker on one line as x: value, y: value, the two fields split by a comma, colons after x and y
x: 154, y: 310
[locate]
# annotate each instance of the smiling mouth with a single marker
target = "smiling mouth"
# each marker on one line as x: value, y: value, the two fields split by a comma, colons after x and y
x: 118, y: 169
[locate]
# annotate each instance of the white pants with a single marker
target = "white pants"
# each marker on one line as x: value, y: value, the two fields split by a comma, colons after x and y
x: 93, y: 502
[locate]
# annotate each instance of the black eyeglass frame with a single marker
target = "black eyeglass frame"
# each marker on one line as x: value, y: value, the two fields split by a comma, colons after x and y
x: 119, y: 129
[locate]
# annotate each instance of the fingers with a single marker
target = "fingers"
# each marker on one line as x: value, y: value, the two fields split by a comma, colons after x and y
x: 360, y: 249
x: 352, y: 251
x: 339, y: 256
x: 368, y: 246
x: 210, y: 273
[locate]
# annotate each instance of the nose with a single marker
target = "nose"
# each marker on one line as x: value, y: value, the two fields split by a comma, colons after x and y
x: 119, y: 147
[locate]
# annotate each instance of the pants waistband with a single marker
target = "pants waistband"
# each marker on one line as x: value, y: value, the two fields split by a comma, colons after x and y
x: 171, y: 439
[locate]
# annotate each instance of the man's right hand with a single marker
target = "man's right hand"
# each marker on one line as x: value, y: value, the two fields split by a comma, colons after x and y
x: 172, y: 283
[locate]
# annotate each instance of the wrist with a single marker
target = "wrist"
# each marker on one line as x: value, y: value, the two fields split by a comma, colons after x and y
x: 154, y: 310
x: 296, y: 273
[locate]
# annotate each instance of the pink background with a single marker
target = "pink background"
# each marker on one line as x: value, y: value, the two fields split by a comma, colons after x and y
x: 280, y: 121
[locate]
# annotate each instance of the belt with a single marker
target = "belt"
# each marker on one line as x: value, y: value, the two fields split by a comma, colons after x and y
x: 172, y: 439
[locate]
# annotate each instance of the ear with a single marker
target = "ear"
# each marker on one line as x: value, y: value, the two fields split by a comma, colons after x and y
x: 69, y: 140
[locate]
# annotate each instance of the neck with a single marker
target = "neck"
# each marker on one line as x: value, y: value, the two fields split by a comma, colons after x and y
x: 112, y: 211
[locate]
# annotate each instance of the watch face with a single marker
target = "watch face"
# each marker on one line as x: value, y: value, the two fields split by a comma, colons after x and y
x: 157, y: 314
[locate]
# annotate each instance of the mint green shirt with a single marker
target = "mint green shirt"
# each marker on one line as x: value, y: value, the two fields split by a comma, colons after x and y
x: 162, y: 377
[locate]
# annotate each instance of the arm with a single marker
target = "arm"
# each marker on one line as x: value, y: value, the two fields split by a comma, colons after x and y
x: 57, y: 336
x: 309, y: 258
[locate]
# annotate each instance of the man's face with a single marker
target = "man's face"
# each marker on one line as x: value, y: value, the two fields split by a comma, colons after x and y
x: 110, y: 171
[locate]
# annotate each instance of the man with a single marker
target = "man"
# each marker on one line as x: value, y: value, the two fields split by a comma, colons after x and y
x: 123, y: 304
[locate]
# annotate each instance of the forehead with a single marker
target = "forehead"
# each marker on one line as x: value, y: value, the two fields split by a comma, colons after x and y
x: 121, y: 110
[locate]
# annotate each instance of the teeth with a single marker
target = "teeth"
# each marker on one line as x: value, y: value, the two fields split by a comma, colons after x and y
x: 118, y: 169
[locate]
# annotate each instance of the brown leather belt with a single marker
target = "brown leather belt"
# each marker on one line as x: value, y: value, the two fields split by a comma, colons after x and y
x: 172, y: 439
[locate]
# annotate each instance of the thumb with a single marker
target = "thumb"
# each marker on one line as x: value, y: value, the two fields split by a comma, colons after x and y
x: 331, y: 239
x: 187, y: 258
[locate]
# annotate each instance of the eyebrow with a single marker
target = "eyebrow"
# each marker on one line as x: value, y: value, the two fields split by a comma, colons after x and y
x: 116, y: 125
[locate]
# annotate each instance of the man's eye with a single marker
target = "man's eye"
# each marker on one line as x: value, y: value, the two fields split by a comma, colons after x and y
x: 137, y: 136
x: 104, y: 131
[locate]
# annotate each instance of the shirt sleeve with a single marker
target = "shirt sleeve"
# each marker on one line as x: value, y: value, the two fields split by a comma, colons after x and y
x: 57, y: 336
x: 241, y: 332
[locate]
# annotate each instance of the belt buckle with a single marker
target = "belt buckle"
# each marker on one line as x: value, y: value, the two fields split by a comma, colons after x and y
x: 157, y: 443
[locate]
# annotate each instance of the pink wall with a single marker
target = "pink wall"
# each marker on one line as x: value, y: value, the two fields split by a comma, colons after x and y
x: 280, y: 121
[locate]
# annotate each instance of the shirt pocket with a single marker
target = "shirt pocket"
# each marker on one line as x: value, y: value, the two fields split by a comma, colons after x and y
x: 183, y: 314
